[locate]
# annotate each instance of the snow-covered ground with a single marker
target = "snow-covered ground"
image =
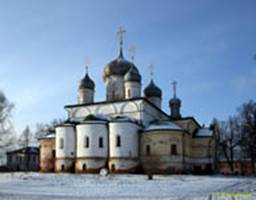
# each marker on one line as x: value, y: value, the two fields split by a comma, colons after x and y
x: 69, y: 186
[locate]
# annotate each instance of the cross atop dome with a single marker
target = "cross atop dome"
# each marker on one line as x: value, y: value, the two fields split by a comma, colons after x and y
x: 86, y: 64
x: 151, y: 70
x: 86, y: 68
x: 120, y: 34
x: 174, y: 85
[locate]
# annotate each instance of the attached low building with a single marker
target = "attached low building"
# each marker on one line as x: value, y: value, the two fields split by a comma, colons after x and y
x: 47, y: 153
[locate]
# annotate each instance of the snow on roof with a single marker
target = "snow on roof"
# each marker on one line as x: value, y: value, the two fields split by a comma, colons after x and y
x: 205, y: 132
x: 50, y: 136
x: 163, y: 125
x: 124, y: 119
x: 103, y: 117
x: 34, y: 150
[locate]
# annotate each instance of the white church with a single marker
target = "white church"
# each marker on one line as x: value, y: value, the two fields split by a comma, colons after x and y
x: 128, y: 132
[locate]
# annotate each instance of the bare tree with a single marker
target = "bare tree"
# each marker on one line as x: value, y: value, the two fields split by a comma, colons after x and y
x: 25, y: 137
x: 42, y: 129
x: 230, y: 139
x: 247, y: 114
x: 217, y: 141
x: 6, y: 129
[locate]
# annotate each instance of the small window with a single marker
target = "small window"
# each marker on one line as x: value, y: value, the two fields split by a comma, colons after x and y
x: 113, y: 94
x: 148, y: 150
x: 129, y: 93
x: 61, y: 143
x: 86, y: 142
x: 173, y: 149
x: 113, y: 167
x: 100, y: 142
x: 118, y: 141
x: 84, y: 167
x: 53, y: 153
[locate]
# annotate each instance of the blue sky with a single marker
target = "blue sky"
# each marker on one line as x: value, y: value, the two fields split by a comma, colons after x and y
x: 207, y: 46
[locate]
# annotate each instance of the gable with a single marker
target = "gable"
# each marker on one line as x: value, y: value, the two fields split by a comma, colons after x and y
x: 189, y: 124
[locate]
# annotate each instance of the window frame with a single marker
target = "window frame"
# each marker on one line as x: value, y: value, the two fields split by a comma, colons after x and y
x: 174, y: 150
x: 148, y: 149
x: 101, y: 142
x: 118, y: 141
x: 61, y: 146
x: 86, y: 142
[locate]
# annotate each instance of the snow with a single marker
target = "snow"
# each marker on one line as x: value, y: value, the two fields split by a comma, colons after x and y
x: 163, y: 125
x: 71, y: 186
x: 204, y: 132
x: 51, y: 136
x: 103, y: 117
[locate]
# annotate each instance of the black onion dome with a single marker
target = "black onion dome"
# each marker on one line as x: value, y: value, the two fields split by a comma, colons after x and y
x: 152, y: 90
x: 175, y: 101
x: 119, y: 66
x: 132, y: 75
x: 87, y: 83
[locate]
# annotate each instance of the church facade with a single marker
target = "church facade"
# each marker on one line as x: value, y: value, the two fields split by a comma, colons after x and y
x: 128, y: 132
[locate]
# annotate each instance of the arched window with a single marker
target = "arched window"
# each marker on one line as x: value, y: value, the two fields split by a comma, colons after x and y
x: 86, y: 142
x: 173, y: 149
x: 61, y: 143
x: 113, y: 94
x: 53, y: 153
x: 148, y: 150
x: 118, y: 141
x: 100, y: 142
x: 113, y: 167
x: 129, y: 93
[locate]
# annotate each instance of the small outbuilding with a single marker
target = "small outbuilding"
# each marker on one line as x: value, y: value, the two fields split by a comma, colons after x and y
x: 24, y: 159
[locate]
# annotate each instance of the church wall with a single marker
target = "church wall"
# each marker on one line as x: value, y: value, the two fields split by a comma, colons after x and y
x: 188, y: 161
x: 151, y: 114
x: 123, y: 165
x: 123, y: 155
x: 112, y: 109
x: 94, y: 156
x: 202, y: 149
x: 159, y: 158
x: 90, y: 164
x: 114, y: 88
x: 65, y: 148
x: 135, y: 109
x: 156, y: 101
x: 47, y: 154
x: 64, y: 165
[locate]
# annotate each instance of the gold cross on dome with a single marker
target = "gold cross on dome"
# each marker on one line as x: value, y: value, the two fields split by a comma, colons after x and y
x: 120, y: 34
